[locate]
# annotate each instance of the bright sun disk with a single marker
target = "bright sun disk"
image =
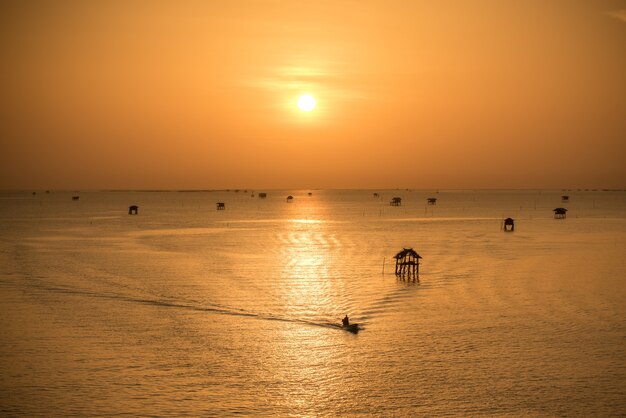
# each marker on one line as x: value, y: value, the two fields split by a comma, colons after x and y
x: 306, y: 103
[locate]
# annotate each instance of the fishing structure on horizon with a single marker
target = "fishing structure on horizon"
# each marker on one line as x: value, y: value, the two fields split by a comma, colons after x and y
x: 560, y: 213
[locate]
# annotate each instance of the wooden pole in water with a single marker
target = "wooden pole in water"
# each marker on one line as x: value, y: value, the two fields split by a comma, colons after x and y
x: 383, y: 265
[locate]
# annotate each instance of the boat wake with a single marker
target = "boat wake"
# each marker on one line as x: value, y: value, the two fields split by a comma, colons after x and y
x: 214, y: 309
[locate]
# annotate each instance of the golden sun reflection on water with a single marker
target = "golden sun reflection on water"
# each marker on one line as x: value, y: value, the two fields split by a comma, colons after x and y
x: 305, y: 354
x: 308, y: 359
x: 306, y: 269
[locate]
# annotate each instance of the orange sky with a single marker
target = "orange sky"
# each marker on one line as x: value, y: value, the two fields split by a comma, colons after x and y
x: 418, y: 94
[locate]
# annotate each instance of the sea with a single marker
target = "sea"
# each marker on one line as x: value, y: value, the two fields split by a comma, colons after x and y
x: 186, y: 310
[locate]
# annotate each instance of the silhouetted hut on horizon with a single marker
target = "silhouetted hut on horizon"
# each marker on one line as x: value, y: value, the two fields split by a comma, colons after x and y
x: 220, y: 206
x: 396, y: 201
x: 310, y: 194
x: 560, y: 213
x: 289, y: 199
x: 376, y: 195
x: 75, y: 197
x: 133, y: 210
x: 262, y: 195
x: 565, y: 198
x: 407, y: 263
x: 509, y: 225
x: 432, y: 200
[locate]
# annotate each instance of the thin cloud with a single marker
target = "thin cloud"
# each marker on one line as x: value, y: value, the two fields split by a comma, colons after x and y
x: 295, y: 80
x: 618, y: 14
x: 286, y: 78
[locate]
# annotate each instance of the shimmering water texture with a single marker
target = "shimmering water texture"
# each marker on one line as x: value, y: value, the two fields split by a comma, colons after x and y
x: 188, y: 310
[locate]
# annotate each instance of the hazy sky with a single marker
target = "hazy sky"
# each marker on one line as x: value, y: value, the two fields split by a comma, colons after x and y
x: 418, y: 94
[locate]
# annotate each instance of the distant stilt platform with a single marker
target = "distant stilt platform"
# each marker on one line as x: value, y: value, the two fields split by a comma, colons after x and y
x: 560, y: 213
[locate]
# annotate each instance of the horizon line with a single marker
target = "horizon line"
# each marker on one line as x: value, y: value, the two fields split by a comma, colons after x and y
x: 245, y: 190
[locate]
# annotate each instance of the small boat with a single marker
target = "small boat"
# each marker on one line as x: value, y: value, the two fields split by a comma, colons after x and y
x: 353, y: 328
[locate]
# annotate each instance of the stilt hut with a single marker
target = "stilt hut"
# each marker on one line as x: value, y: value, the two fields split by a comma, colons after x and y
x: 376, y: 195
x: 509, y: 225
x: 310, y: 194
x: 75, y: 197
x: 560, y: 213
x: 220, y: 206
x: 396, y: 201
x: 133, y: 210
x: 407, y: 263
x: 289, y: 199
x: 565, y: 198
x: 431, y: 200
x: 262, y: 195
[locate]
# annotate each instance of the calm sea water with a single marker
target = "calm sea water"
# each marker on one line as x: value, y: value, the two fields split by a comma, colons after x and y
x: 186, y: 310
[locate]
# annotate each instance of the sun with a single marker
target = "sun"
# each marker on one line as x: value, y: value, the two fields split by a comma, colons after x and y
x: 306, y: 103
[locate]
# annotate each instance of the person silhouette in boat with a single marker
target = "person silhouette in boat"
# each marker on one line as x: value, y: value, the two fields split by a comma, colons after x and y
x: 346, y: 321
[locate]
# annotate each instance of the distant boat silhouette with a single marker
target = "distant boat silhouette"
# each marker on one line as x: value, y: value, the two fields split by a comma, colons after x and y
x: 353, y: 328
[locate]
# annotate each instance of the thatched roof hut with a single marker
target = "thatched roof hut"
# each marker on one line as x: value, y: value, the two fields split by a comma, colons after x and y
x: 560, y: 213
x: 407, y: 262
